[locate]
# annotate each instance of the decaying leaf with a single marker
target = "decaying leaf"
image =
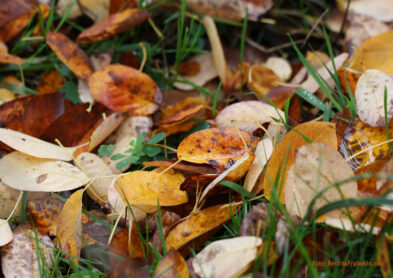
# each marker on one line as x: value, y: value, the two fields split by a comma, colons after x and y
x: 316, y: 167
x: 198, y: 224
x: 113, y: 25
x: 22, y: 257
x: 94, y: 167
x: 45, y: 213
x: 6, y: 233
x: 125, y: 89
x: 24, y: 172
x: 69, y: 229
x: 369, y: 95
x: 51, y: 82
x: 248, y: 115
x: 33, y: 146
x: 283, y: 155
x: 145, y: 189
x: 226, y: 257
x: 70, y: 54
x: 172, y: 265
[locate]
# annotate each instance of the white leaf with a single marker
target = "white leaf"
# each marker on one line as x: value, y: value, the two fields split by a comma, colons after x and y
x: 84, y: 92
x: 280, y: 66
x: 346, y: 224
x: 28, y: 173
x: 226, y: 257
x: 33, y: 146
x: 5, y: 232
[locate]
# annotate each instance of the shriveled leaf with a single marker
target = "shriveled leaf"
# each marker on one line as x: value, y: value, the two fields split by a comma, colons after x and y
x: 226, y: 257
x: 172, y: 265
x: 199, y: 224
x: 143, y: 188
x: 283, y: 155
x: 316, y: 167
x: 70, y: 54
x: 69, y: 229
x: 215, y: 146
x: 45, y: 214
x: 125, y: 89
x: 51, y: 82
x: 33, y: 146
x: 28, y: 173
x: 248, y: 115
x: 113, y: 25
x: 20, y: 257
x: 6, y: 233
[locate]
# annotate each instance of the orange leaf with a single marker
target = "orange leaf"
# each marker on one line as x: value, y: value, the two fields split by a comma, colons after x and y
x: 124, y: 89
x: 284, y: 153
x: 351, y: 77
x: 51, y: 82
x: 6, y: 58
x: 69, y: 229
x: 113, y: 25
x: 199, y: 224
x: 217, y: 147
x: 172, y: 265
x: 262, y: 79
x: 70, y: 54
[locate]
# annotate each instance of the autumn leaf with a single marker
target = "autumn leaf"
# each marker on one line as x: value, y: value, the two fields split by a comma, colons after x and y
x: 6, y: 233
x: 6, y: 58
x: 172, y: 265
x: 51, y: 82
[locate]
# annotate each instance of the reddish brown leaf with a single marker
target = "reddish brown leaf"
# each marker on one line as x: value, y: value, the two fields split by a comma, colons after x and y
x: 70, y: 54
x: 125, y: 89
x: 279, y: 95
x: 51, y: 82
x: 118, y: 246
x: 113, y: 25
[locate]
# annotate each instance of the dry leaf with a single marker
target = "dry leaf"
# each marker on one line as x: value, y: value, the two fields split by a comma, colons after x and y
x: 62, y: 7
x: 70, y: 54
x: 262, y: 79
x: 6, y: 58
x: 205, y: 71
x: 125, y: 89
x: 280, y: 67
x: 350, y: 77
x: 226, y: 257
x: 198, y: 224
x: 316, y: 167
x: 369, y: 96
x: 51, y: 82
x: 284, y: 153
x: 69, y: 229
x: 143, y: 188
x: 97, y: 10
x: 6, y: 233
x: 6, y: 95
x: 113, y: 25
x: 383, y: 256
x: 28, y: 173
x: 20, y: 257
x: 172, y: 265
x: 381, y: 10
x: 33, y: 146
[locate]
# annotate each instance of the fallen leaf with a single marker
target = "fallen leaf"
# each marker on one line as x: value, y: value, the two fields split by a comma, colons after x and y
x: 20, y: 257
x: 101, y: 59
x: 168, y: 220
x: 280, y: 67
x: 6, y: 233
x: 62, y: 7
x: 113, y: 25
x: 28, y: 173
x: 279, y: 95
x: 383, y: 256
x: 172, y: 265
x: 124, y: 89
x: 316, y: 167
x: 70, y: 54
x: 6, y: 95
x: 283, y: 155
x: 33, y: 146
x: 262, y: 79
x: 257, y: 220
x: 182, y: 166
x: 143, y: 188
x: 226, y: 257
x: 380, y: 9
x: 369, y: 96
x: 248, y: 115
x: 69, y: 229
x: 182, y: 111
x: 51, y: 82
x: 348, y: 78
x: 118, y: 247
x: 217, y: 147
x: 6, y: 58
x: 45, y: 214
x: 97, y: 10
x: 198, y: 224
x: 130, y: 267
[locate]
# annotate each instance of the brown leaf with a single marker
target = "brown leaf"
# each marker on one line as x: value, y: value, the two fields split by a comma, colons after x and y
x: 45, y: 214
x: 182, y: 166
x: 70, y: 54
x: 51, y: 82
x: 262, y: 79
x: 125, y: 89
x: 130, y: 267
x: 96, y: 10
x: 113, y: 25
x: 279, y: 95
x: 168, y: 219
x: 6, y: 58
x: 348, y: 78
x: 182, y: 111
x: 118, y: 246
x: 172, y: 265
x: 383, y: 256
x: 284, y: 153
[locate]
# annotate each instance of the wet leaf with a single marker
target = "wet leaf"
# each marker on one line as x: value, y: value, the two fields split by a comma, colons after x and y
x: 45, y: 214
x: 6, y: 233
x: 125, y: 89
x: 198, y: 224
x: 172, y: 265
x: 283, y: 155
x: 24, y: 172
x: 226, y: 257
x: 20, y: 257
x: 143, y: 188
x: 69, y: 229
x: 70, y: 54
x: 51, y: 82
x: 113, y: 25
